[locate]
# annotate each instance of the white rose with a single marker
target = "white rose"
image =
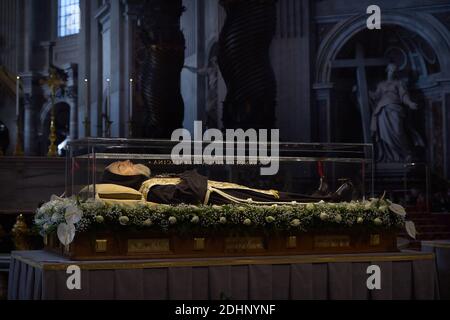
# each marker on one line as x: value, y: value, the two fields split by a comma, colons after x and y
x: 378, y: 221
x: 295, y: 222
x: 359, y: 220
x: 270, y: 219
x: 250, y: 200
x: 123, y: 220
x: 310, y: 206
x: 147, y: 223
x: 172, y: 220
x: 195, y: 219
x: 247, y: 222
x: 99, y: 219
x: 294, y: 203
x: 223, y: 220
x: 323, y: 216
x: 338, y: 218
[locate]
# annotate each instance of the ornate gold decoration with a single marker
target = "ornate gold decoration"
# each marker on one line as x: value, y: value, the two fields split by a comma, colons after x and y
x: 291, y: 242
x: 199, y: 244
x: 375, y: 240
x: 101, y: 245
x: 331, y: 241
x: 244, y: 244
x: 149, y: 246
x: 54, y: 82
x: 20, y: 233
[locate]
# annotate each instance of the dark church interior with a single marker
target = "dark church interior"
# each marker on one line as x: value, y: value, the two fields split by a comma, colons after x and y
x: 333, y: 77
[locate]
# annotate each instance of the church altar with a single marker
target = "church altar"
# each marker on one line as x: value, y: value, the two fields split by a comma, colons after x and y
x: 39, y: 275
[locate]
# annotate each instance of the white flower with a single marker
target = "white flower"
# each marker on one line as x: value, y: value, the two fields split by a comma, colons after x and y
x: 216, y: 207
x: 321, y: 202
x: 99, y: 219
x: 195, y: 219
x: 338, y: 218
x: 73, y: 214
x: 147, y: 223
x: 240, y: 208
x: 377, y: 221
x: 295, y: 222
x: 310, y: 206
x: 351, y: 206
x: 323, y: 216
x: 66, y: 233
x: 172, y: 220
x: 274, y: 206
x: 383, y: 208
x: 250, y: 200
x: 123, y: 220
x: 359, y: 220
x: 247, y: 222
x: 270, y: 219
x: 223, y: 220
x: 294, y: 203
x: 55, y: 217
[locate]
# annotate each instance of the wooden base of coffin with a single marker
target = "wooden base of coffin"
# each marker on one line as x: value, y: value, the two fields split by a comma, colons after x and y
x: 142, y: 245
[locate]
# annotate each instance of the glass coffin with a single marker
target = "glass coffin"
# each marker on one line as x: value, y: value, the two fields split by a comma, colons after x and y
x: 297, y: 171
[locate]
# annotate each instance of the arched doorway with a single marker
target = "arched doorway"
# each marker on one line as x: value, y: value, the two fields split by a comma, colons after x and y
x: 62, y: 123
x: 360, y: 65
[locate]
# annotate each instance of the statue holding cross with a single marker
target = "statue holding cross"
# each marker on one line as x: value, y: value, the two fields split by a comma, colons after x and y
x: 360, y: 63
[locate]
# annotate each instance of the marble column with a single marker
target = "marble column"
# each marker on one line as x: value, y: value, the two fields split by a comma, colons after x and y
x: 245, y: 64
x: 31, y: 107
x: 160, y: 74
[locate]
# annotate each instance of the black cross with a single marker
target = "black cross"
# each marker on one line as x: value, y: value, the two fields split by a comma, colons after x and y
x: 361, y: 63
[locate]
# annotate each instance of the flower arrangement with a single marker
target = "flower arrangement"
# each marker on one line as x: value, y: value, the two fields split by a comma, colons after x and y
x: 68, y: 216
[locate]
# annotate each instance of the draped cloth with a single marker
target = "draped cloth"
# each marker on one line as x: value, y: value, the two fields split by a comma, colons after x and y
x: 192, y: 188
x: 38, y: 275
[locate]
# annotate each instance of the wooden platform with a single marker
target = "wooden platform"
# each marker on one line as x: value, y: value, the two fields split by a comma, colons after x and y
x: 145, y: 245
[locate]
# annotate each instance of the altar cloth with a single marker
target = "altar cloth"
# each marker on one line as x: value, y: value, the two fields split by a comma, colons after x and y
x: 441, y: 249
x: 39, y: 275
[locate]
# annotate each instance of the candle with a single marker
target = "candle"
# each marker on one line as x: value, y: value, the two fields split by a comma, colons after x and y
x: 131, y: 100
x: 18, y: 97
x: 108, y: 98
x: 88, y: 105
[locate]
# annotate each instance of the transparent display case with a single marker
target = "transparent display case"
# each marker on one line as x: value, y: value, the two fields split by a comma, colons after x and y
x: 298, y: 168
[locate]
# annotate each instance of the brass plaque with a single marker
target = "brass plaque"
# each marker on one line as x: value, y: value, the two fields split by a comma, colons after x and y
x: 149, y: 246
x: 375, y: 240
x: 291, y: 242
x: 244, y: 244
x: 101, y: 245
x: 199, y: 244
x: 332, y: 241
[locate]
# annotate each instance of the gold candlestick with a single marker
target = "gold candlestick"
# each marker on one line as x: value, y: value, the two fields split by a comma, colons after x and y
x: 52, y: 150
x: 18, y: 151
x: 54, y: 81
